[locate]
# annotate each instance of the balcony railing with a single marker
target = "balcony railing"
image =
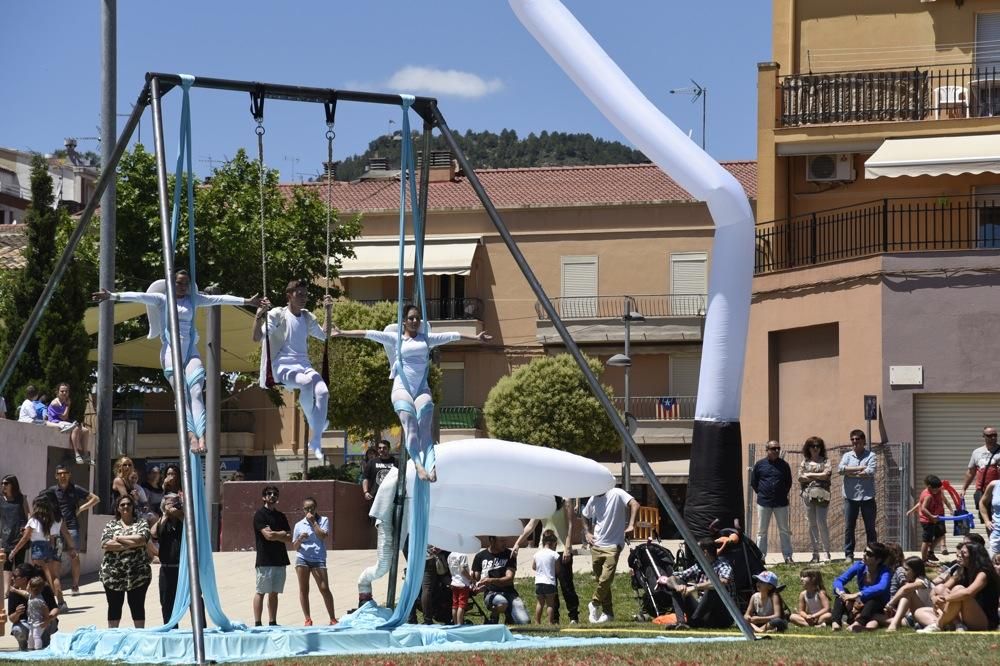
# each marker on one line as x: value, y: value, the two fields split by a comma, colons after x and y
x: 614, y: 307
x: 658, y: 407
x: 464, y: 417
x: 919, y: 93
x: 445, y: 309
x: 887, y: 225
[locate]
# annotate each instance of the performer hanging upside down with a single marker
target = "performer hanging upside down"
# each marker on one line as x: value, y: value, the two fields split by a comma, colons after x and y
x: 187, y: 301
x: 288, y: 330
x: 411, y: 396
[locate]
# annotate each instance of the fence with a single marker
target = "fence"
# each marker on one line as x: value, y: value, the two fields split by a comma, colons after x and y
x: 892, y: 495
x: 614, y: 307
x: 658, y: 407
x: 463, y: 417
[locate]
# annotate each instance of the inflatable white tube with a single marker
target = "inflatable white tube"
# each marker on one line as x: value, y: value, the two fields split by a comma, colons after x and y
x: 522, y: 467
x: 611, y: 91
x: 467, y: 522
x: 486, y: 500
x: 452, y: 541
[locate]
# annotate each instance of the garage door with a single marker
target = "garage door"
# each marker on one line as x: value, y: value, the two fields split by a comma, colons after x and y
x: 947, y: 427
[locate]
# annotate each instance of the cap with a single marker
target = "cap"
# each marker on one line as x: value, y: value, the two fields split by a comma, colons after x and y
x: 768, y: 577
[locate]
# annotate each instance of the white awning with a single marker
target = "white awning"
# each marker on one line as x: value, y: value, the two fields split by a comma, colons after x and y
x: 666, y: 471
x: 935, y: 156
x: 382, y: 259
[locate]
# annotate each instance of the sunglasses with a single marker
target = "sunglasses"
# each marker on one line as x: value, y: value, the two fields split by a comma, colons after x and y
x: 5, y: 483
x: 125, y: 505
x: 993, y: 436
x: 271, y: 494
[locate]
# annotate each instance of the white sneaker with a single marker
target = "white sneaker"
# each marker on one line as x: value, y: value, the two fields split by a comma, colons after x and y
x: 319, y: 455
x: 572, y: 621
x: 929, y: 629
x: 604, y: 617
x: 960, y: 627
x: 594, y: 612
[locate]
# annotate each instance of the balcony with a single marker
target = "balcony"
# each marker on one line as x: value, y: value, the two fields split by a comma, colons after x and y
x: 595, y: 319
x: 912, y: 224
x: 661, y: 419
x: 461, y: 418
x: 920, y: 93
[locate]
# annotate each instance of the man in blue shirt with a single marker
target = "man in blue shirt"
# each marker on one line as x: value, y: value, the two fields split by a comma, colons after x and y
x: 771, y: 479
x: 858, y: 469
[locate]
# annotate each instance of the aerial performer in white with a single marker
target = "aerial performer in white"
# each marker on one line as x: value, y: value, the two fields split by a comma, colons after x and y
x: 409, y: 358
x: 188, y: 300
x: 715, y: 486
x: 285, y: 334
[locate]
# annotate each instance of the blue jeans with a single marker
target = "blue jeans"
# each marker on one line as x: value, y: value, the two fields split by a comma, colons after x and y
x: 851, y: 509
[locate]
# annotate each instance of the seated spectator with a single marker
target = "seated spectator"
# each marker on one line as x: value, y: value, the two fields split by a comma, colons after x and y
x: 29, y: 412
x: 914, y: 594
x: 969, y: 598
x: 765, y: 610
x: 939, y: 582
x: 865, y: 608
x: 896, y: 562
x: 493, y: 570
x: 57, y: 417
x: 17, y: 607
x: 814, y: 604
x: 696, y: 603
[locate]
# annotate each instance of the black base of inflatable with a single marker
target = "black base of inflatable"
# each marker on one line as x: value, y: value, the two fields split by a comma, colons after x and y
x: 715, y: 477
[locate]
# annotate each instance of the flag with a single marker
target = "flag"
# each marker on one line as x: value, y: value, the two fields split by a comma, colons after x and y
x: 667, y: 408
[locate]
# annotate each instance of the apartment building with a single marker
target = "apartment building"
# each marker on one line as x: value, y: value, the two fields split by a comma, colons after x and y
x: 73, y: 181
x: 877, y: 242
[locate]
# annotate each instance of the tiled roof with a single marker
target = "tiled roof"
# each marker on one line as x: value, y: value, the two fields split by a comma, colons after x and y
x: 540, y: 187
x: 13, y: 240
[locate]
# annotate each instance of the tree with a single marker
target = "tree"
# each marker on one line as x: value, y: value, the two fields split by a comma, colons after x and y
x: 548, y: 403
x: 359, y: 372
x: 57, y: 352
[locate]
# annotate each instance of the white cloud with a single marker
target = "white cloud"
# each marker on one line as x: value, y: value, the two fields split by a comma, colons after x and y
x: 429, y: 81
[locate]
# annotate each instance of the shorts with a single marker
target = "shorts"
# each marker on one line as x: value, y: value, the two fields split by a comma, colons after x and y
x: 459, y: 597
x: 932, y: 531
x: 270, y: 580
x: 62, y: 546
x: 42, y: 551
x: 544, y: 588
x: 302, y: 562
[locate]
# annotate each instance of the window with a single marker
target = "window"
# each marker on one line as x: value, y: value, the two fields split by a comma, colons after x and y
x: 579, y: 287
x: 452, y: 384
x: 688, y: 283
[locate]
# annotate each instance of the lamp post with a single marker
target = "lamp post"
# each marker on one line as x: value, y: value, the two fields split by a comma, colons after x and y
x: 625, y: 361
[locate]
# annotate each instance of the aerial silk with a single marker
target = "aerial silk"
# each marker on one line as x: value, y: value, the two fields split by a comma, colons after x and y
x: 715, y: 481
x: 424, y: 451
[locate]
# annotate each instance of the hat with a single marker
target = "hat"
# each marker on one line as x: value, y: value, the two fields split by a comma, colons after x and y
x: 768, y: 577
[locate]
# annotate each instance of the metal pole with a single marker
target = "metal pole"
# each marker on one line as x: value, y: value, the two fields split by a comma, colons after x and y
x: 213, y: 413
x: 305, y: 447
x: 626, y: 467
x: 704, y: 115
x: 107, y: 176
x: 106, y: 263
x: 180, y: 385
x: 397, y: 527
x: 595, y: 385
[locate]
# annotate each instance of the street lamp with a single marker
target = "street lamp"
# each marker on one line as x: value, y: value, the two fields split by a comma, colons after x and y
x: 625, y: 361
x: 696, y: 91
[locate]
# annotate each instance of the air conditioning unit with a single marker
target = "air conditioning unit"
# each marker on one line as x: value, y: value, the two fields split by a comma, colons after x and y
x: 830, y: 167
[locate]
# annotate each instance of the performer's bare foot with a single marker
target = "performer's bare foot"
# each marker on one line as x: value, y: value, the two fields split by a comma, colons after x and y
x: 424, y: 474
x: 193, y: 442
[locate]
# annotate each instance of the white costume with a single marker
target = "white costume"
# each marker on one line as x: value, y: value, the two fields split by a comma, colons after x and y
x: 155, y: 301
x: 287, y: 337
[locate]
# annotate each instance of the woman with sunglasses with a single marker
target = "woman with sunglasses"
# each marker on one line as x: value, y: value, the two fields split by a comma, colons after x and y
x: 968, y: 600
x: 125, y: 570
x: 122, y: 485
x: 13, y: 518
x: 865, y: 608
x: 814, y: 478
x: 410, y: 365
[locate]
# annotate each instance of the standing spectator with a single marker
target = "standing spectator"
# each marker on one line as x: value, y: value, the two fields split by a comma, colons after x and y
x: 271, y: 532
x: 771, y: 479
x: 123, y: 485
x: 970, y: 598
x: 57, y: 416
x: 560, y: 522
x: 309, y: 538
x: 28, y: 413
x: 376, y: 468
x: 814, y: 479
x: 44, y: 524
x: 13, y: 518
x: 695, y: 601
x: 125, y: 570
x: 493, y: 570
x: 858, y: 469
x: 171, y: 479
x: 546, y: 567
x: 17, y: 607
x: 610, y: 521
x: 461, y: 582
x: 864, y: 608
x: 71, y: 500
x: 989, y: 508
x: 168, y: 531
x: 931, y: 506
x: 983, y: 467
x: 154, y: 490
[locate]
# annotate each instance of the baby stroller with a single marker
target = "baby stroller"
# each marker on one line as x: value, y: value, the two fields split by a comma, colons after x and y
x: 746, y: 558
x: 647, y: 562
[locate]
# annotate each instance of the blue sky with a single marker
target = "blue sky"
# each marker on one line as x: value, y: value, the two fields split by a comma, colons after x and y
x: 486, y: 70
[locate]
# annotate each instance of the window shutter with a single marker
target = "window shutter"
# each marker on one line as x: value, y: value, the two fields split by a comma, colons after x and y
x: 688, y: 283
x: 579, y: 287
x: 987, y: 39
x: 684, y: 372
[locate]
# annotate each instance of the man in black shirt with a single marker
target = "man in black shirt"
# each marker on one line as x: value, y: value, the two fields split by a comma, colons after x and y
x: 493, y: 570
x: 17, y: 606
x: 271, y: 533
x: 376, y: 469
x: 72, y: 500
x: 167, y: 531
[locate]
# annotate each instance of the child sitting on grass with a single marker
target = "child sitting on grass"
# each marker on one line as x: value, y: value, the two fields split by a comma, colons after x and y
x: 546, y: 567
x: 765, y: 610
x: 814, y: 604
x: 914, y: 594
